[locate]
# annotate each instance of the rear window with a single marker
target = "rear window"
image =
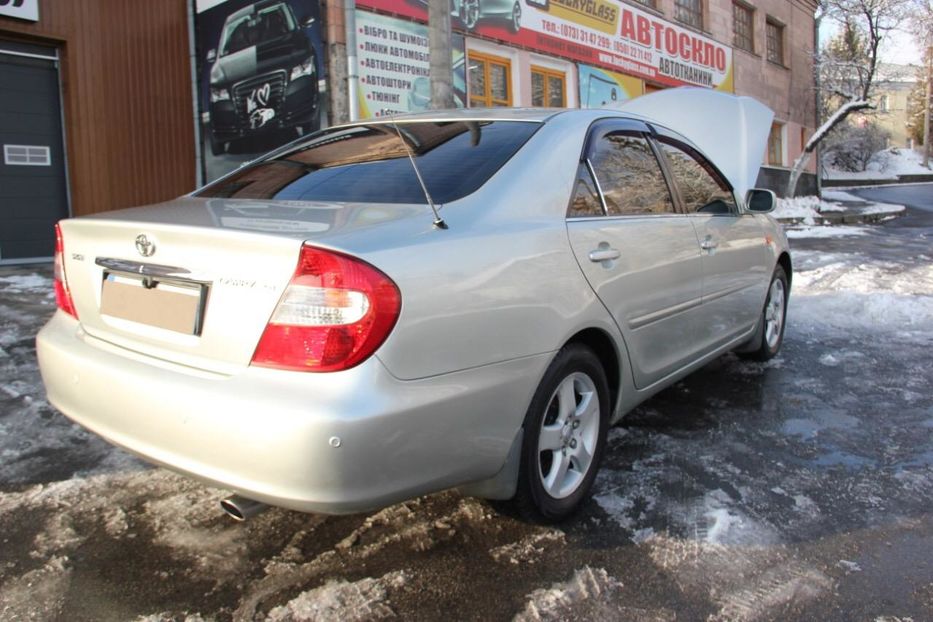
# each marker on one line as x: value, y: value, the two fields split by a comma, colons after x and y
x: 368, y: 163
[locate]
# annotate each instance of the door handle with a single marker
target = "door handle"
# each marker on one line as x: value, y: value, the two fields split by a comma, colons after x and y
x: 708, y: 244
x: 604, y: 254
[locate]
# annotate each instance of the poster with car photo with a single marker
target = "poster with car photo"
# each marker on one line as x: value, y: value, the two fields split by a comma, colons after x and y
x: 260, y: 67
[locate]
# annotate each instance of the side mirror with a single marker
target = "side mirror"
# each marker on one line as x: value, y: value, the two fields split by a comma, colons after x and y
x: 211, y: 56
x: 760, y: 200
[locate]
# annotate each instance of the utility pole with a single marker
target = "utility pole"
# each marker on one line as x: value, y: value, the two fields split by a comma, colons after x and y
x: 337, y: 65
x: 439, y: 48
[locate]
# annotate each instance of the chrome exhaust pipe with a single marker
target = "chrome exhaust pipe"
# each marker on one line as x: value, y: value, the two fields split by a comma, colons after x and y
x: 240, y: 508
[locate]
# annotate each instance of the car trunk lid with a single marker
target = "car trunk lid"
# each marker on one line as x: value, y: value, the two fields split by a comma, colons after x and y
x: 194, y: 282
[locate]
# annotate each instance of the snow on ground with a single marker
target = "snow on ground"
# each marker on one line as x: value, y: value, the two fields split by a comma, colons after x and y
x: 701, y: 501
x: 713, y: 530
x: 842, y: 292
x: 18, y: 283
x: 885, y: 165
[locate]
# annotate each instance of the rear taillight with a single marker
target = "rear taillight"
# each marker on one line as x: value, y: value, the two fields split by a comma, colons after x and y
x: 62, y: 293
x: 336, y: 311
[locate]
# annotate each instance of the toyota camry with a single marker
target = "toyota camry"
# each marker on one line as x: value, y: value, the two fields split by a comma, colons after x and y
x: 452, y: 299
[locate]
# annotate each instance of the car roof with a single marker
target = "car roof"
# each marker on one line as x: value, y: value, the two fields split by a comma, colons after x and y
x: 472, y: 114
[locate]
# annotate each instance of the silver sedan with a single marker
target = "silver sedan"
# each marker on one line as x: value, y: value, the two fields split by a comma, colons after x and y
x: 452, y: 299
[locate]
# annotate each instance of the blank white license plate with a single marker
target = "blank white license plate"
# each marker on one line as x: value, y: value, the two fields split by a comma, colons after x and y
x: 164, y: 304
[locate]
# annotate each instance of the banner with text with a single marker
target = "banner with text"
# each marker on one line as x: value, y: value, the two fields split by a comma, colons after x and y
x: 394, y: 66
x: 603, y: 33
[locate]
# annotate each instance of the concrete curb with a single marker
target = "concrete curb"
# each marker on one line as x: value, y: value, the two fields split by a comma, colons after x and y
x: 901, y: 179
x: 851, y: 216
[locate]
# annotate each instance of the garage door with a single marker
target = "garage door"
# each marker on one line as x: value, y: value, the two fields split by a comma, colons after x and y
x: 33, y: 186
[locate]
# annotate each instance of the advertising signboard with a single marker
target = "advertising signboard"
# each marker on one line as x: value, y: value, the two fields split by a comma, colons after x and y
x: 603, y: 33
x: 394, y: 66
x: 20, y: 9
x: 601, y: 88
x: 260, y: 77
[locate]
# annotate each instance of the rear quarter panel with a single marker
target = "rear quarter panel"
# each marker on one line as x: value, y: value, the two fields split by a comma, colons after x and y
x: 501, y: 282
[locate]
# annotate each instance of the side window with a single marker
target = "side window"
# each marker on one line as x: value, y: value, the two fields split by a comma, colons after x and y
x: 701, y: 187
x: 585, y: 201
x: 629, y: 176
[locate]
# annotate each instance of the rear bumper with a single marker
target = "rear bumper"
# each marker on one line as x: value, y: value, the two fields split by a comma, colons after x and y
x: 271, y: 435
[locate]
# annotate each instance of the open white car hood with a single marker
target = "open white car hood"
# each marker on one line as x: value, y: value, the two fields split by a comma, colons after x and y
x: 731, y: 131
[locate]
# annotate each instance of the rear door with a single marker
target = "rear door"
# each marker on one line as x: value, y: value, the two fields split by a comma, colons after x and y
x: 734, y: 249
x: 638, y: 253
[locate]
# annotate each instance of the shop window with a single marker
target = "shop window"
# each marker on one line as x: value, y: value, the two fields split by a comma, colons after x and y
x: 490, y: 80
x: 653, y: 4
x: 776, y: 145
x: 702, y: 188
x: 743, y: 26
x: 630, y: 177
x: 689, y: 12
x: 775, y: 32
x: 548, y: 88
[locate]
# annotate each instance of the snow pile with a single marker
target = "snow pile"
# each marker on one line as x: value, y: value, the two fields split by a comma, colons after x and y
x: 591, y: 594
x: 802, y: 209
x: 811, y: 210
x: 885, y: 165
x: 342, y: 601
x: 528, y: 549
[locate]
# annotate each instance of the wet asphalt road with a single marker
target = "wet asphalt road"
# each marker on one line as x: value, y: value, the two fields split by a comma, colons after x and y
x: 800, y: 489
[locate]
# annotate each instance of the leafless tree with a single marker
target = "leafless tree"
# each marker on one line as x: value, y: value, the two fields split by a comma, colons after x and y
x: 853, y: 145
x: 848, y: 64
x: 922, y: 29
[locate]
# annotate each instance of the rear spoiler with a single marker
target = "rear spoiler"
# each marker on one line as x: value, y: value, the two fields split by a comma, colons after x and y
x: 732, y: 131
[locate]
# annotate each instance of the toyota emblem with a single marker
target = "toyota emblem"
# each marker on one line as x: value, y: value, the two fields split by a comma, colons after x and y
x: 145, y: 246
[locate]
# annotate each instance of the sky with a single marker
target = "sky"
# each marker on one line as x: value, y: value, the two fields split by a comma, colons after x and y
x: 901, y: 49
x: 897, y: 47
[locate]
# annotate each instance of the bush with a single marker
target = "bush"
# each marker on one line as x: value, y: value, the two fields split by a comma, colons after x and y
x: 850, y: 147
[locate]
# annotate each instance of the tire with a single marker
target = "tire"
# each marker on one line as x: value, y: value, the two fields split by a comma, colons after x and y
x: 469, y: 13
x: 772, y: 321
x: 515, y: 23
x: 564, y: 440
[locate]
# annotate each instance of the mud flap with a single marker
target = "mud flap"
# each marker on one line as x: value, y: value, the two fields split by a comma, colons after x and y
x: 502, y: 485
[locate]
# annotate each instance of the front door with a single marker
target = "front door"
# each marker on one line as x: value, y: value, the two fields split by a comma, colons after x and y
x: 735, y: 251
x: 33, y: 186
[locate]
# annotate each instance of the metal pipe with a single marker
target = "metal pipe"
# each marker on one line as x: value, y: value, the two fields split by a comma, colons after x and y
x: 353, y: 74
x: 240, y: 508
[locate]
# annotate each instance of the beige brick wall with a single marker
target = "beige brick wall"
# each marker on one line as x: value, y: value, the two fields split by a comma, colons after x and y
x: 787, y: 89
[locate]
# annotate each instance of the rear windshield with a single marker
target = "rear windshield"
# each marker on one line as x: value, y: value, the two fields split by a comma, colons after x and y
x: 368, y: 163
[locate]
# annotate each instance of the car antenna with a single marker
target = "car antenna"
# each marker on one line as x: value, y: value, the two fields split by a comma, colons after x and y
x: 438, y: 221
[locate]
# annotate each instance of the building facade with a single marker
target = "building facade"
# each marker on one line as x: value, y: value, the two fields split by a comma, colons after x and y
x: 893, y: 88
x: 112, y: 104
